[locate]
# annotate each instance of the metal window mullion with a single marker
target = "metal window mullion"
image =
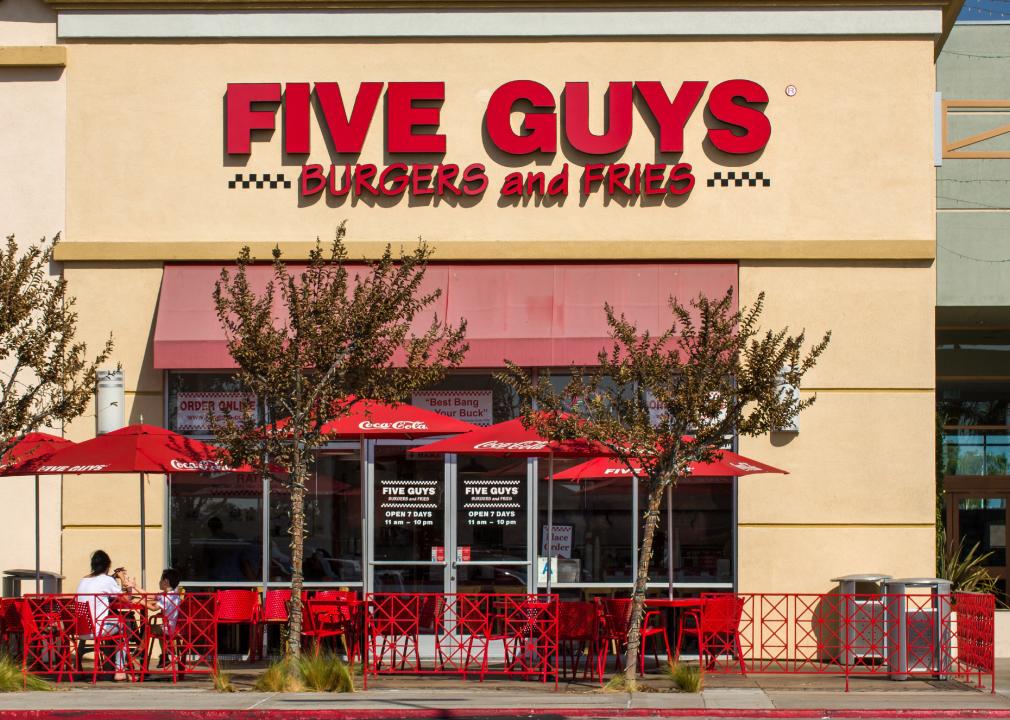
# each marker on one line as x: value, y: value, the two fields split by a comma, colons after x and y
x: 533, y: 525
x: 450, y: 534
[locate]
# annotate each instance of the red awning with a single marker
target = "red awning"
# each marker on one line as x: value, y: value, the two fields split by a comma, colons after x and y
x: 533, y: 314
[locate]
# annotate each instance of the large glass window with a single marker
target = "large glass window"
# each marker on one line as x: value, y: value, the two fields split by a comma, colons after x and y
x: 216, y: 526
x: 332, y: 521
x: 592, y: 526
x: 702, y: 532
x: 193, y: 396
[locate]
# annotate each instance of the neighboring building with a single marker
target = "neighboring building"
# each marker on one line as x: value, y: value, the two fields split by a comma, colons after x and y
x: 33, y: 123
x: 810, y: 143
x: 973, y: 281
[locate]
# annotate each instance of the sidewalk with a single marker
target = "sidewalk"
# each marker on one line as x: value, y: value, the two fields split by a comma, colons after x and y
x: 411, y: 697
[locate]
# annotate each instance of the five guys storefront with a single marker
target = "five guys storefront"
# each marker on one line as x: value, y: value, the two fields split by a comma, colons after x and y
x: 557, y: 158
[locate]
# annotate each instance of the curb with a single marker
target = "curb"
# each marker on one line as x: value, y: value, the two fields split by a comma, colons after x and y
x: 474, y: 713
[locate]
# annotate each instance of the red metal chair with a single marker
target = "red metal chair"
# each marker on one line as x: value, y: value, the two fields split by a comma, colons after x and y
x: 240, y: 607
x: 716, y: 627
x: 332, y: 619
x: 275, y: 607
x: 578, y: 633
x: 11, y: 632
x: 110, y: 639
x: 47, y: 647
x: 614, y: 617
x: 191, y: 644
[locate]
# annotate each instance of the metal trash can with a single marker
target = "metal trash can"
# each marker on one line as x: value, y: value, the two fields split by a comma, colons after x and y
x: 919, y: 633
x: 18, y: 582
x: 861, y: 618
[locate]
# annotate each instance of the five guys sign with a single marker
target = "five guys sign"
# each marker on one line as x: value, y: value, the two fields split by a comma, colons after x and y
x: 412, y: 127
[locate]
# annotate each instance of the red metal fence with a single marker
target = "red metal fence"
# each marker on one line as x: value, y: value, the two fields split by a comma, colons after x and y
x: 472, y: 634
x: 881, y: 635
x: 121, y: 634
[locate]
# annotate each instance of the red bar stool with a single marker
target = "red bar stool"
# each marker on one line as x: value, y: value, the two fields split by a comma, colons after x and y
x: 716, y: 627
x: 240, y: 607
x: 614, y: 615
x: 578, y: 633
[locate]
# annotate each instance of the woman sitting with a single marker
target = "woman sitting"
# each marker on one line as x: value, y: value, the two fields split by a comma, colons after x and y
x: 99, y: 590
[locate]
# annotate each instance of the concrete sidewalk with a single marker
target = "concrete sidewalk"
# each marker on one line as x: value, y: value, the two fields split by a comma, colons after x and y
x: 441, y: 697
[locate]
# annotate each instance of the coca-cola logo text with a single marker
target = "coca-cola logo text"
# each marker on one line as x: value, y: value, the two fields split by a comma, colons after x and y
x: 522, y: 445
x: 398, y: 425
x: 199, y: 466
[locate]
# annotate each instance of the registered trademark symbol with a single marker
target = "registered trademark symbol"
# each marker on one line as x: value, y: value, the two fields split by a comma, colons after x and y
x: 790, y: 90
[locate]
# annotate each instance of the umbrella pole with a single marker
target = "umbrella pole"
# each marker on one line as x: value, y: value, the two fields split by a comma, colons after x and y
x: 366, y: 498
x: 38, y: 543
x: 550, y: 520
x: 143, y: 539
x: 669, y: 541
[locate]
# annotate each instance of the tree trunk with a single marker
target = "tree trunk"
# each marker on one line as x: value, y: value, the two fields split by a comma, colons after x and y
x: 297, y: 547
x: 641, y: 581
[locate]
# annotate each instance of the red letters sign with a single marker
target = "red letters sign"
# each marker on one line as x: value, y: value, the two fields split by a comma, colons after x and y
x: 412, y: 121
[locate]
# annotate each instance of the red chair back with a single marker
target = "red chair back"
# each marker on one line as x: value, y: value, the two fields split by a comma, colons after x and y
x: 83, y: 623
x: 237, y: 606
x: 577, y: 621
x: 614, y: 615
x: 720, y: 614
x: 275, y: 606
x: 10, y: 615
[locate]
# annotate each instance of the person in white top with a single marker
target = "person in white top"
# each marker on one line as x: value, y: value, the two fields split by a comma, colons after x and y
x: 98, y: 590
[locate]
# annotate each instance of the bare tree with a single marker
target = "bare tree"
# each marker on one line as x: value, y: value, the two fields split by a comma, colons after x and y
x: 711, y: 374
x: 315, y: 338
x: 46, y: 376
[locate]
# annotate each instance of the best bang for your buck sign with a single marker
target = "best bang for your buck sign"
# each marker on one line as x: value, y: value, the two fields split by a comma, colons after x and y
x: 413, y: 127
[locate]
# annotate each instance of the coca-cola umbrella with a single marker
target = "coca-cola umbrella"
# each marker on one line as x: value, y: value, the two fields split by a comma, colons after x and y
x: 727, y: 464
x: 32, y: 448
x: 139, y: 449
x: 512, y: 438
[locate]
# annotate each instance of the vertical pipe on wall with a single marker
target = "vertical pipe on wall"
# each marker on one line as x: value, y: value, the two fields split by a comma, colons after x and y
x: 38, y: 542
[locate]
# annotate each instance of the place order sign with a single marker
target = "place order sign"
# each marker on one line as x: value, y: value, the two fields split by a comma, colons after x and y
x: 492, y: 501
x: 472, y: 406
x: 408, y: 503
x: 413, y: 127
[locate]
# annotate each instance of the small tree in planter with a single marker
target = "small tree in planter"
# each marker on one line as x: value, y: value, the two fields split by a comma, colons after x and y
x: 310, y: 340
x: 711, y: 374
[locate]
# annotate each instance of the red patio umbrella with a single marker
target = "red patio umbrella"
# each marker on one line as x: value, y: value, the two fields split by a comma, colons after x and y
x: 137, y: 449
x: 728, y: 464
x: 33, y: 447
x: 512, y: 438
x: 371, y: 419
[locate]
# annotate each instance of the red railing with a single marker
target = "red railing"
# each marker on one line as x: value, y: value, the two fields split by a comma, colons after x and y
x: 468, y: 634
x: 122, y: 634
x: 882, y: 635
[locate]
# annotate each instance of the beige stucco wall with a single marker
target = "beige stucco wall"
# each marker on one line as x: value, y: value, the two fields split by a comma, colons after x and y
x: 32, y: 195
x: 850, y: 166
x: 103, y: 511
x: 859, y: 494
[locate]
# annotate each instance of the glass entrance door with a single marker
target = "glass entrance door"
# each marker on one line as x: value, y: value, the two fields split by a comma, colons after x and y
x: 407, y: 521
x: 490, y: 532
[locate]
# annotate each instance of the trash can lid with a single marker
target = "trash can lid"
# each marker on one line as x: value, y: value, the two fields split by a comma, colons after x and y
x: 918, y: 582
x: 28, y: 574
x: 862, y: 577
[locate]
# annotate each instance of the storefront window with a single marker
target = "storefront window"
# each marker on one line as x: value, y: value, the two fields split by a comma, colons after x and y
x: 332, y: 522
x: 702, y: 532
x: 982, y: 522
x: 592, y: 526
x: 216, y: 527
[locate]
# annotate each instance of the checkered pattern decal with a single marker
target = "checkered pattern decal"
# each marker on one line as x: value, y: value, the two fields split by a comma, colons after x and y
x: 740, y: 179
x: 254, y: 180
